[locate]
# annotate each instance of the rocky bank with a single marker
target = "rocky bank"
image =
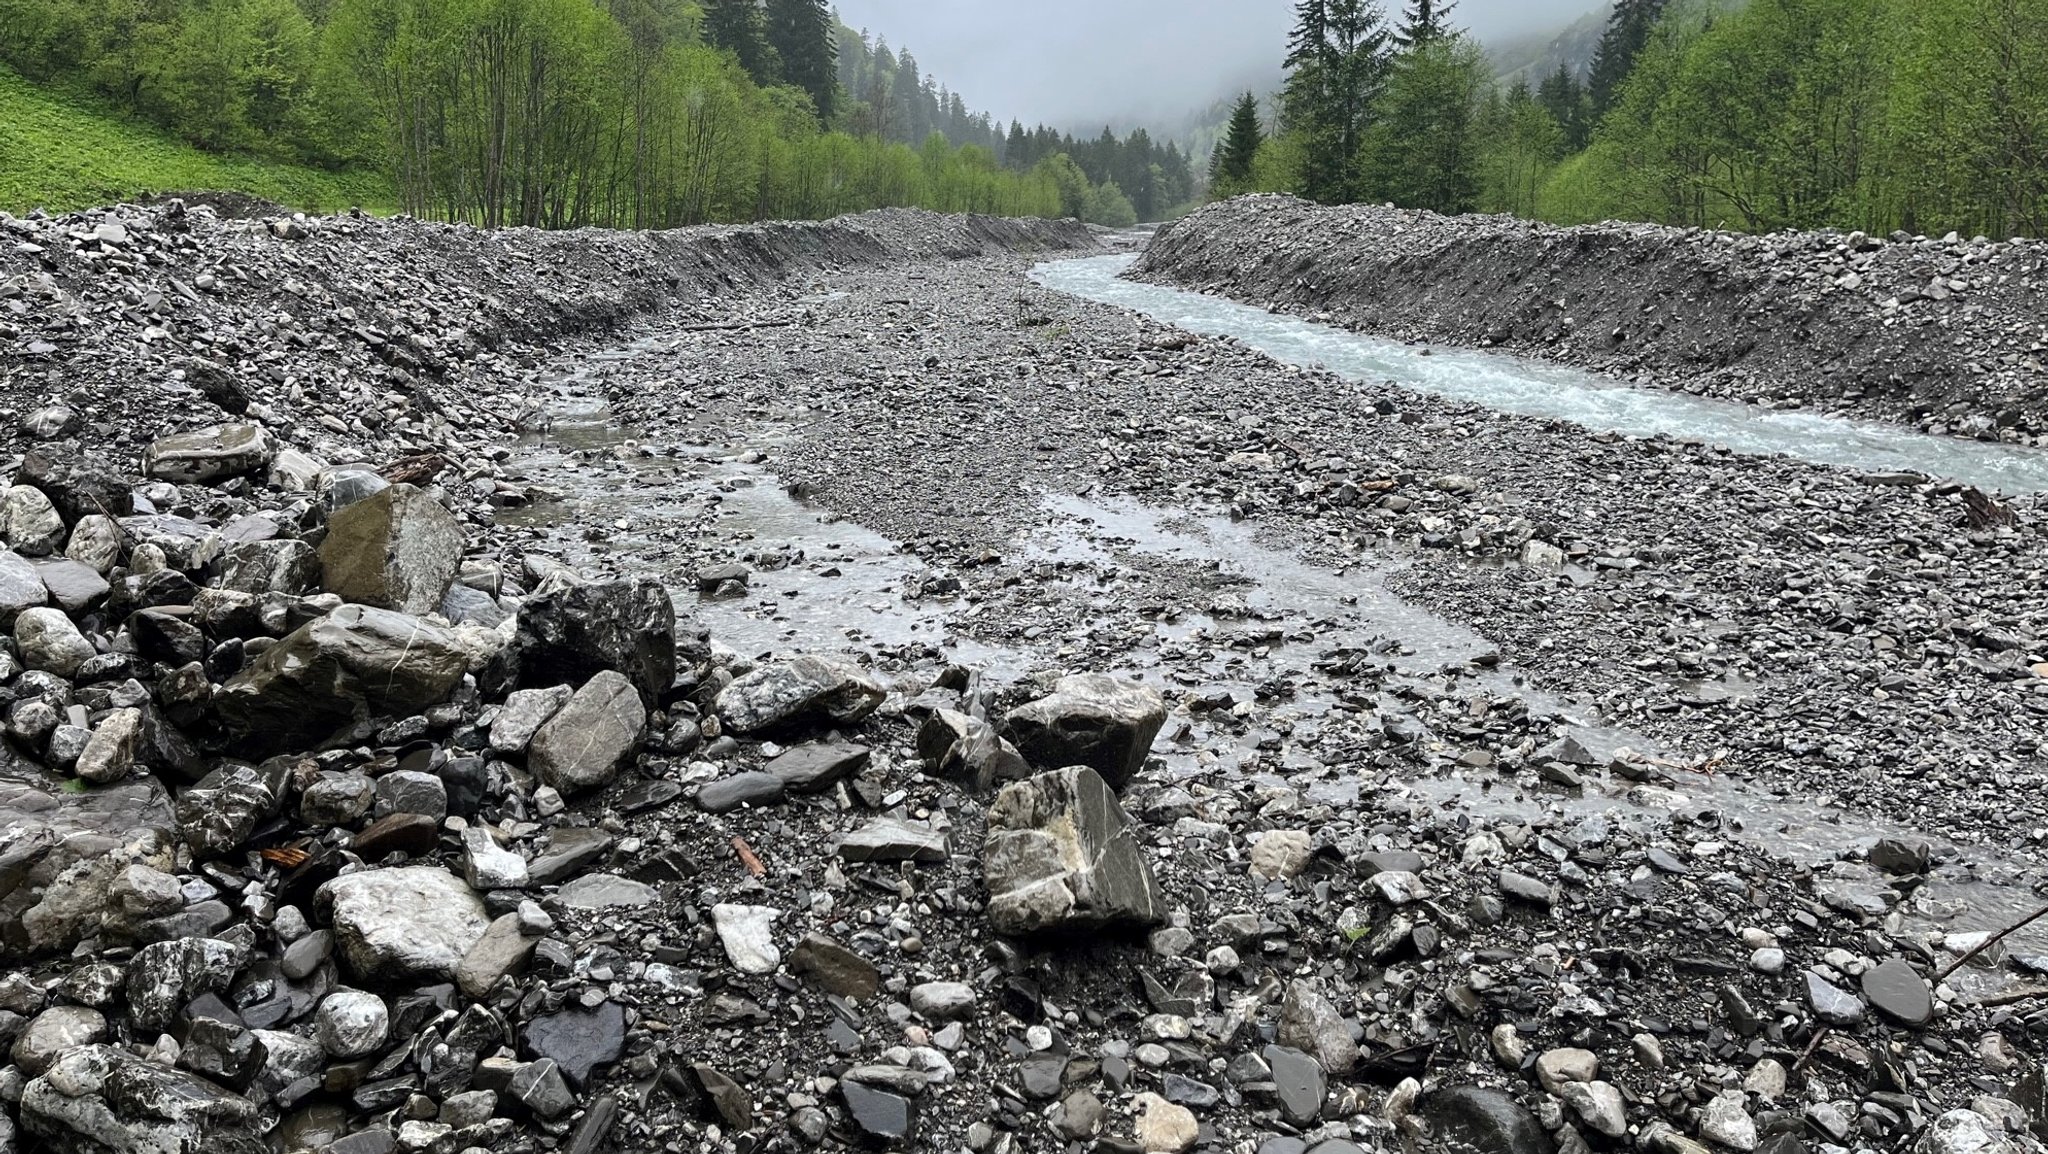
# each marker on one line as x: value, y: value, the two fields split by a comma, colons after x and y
x: 445, y: 710
x: 1947, y: 333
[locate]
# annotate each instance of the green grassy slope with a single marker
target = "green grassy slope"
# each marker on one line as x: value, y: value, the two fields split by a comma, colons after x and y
x: 61, y: 152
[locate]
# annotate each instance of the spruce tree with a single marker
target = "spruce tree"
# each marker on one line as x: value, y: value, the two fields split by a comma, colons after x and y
x: 1564, y: 98
x: 1628, y: 31
x: 1240, y: 150
x: 800, y: 32
x: 1338, y: 59
x: 735, y: 25
x: 1425, y: 20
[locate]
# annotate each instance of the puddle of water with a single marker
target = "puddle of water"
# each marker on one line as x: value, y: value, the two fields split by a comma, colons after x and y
x: 819, y: 584
x: 1533, y: 388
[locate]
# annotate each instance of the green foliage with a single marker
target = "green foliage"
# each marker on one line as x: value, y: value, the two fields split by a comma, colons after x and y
x: 1107, y: 205
x: 1422, y: 150
x: 64, y: 152
x: 556, y: 113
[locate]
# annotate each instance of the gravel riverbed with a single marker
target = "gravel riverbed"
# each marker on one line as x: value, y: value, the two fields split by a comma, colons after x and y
x: 811, y: 687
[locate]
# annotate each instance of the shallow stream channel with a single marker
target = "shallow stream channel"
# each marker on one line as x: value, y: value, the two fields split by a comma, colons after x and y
x: 615, y: 499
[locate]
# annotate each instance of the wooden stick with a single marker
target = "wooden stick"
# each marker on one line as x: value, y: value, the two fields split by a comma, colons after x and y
x: 1990, y: 942
x: 747, y: 857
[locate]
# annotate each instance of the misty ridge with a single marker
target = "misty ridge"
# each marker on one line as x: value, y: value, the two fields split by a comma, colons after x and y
x: 1134, y: 63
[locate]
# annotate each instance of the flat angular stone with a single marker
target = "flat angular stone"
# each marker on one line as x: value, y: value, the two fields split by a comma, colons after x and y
x: 1091, y: 719
x: 892, y: 839
x: 1899, y: 992
x: 816, y: 768
x: 834, y: 968
x: 210, y: 454
x: 741, y: 789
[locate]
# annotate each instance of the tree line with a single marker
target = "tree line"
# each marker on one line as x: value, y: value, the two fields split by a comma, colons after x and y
x: 551, y: 113
x: 1922, y: 115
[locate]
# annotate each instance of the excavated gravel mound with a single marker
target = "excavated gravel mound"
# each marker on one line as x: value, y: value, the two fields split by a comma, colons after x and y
x: 1949, y: 334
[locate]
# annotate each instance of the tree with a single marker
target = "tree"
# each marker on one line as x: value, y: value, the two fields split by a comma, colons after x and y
x: 1069, y: 181
x: 801, y: 33
x: 1564, y: 98
x: 1239, y: 152
x: 735, y: 25
x: 1338, y: 62
x: 1422, y: 152
x: 1425, y: 20
x: 1628, y: 30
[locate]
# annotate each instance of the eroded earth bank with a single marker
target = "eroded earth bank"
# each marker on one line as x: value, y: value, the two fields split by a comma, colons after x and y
x: 816, y: 686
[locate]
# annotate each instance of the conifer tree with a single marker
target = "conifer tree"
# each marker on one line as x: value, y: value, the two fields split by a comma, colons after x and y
x: 735, y: 25
x: 1425, y: 20
x: 1232, y: 173
x: 1628, y: 30
x: 800, y: 32
x: 1338, y: 60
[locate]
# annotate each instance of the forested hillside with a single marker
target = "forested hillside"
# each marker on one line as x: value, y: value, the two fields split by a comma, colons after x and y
x: 555, y: 113
x: 1922, y: 115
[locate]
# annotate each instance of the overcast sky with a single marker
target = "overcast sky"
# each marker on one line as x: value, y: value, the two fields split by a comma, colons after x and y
x: 1078, y: 63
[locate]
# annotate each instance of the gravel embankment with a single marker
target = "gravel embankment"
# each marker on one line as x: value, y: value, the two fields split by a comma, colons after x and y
x: 1948, y: 334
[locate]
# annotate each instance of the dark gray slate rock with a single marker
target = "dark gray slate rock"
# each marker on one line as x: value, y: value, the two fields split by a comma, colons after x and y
x: 1898, y: 991
x: 1060, y: 856
x: 882, y: 1115
x: 816, y: 768
x: 569, y: 636
x: 164, y: 976
x: 260, y: 567
x: 801, y: 690
x: 730, y: 793
x: 578, y: 1040
x: 223, y: 809
x: 1299, y: 1083
x: 100, y: 1098
x: 1091, y: 719
x: 354, y: 663
x: 1475, y: 1120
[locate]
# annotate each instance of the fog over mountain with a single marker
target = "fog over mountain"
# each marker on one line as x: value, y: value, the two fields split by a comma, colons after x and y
x: 1079, y: 63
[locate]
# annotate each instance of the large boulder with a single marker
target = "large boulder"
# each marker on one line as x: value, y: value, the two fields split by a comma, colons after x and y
x: 397, y: 550
x: 48, y: 640
x: 1091, y: 719
x: 211, y: 454
x: 567, y: 636
x: 785, y: 694
x: 355, y: 662
x: 29, y: 523
x: 104, y: 1100
x: 284, y: 565
x: 397, y: 924
x: 583, y: 745
x: 164, y: 976
x: 968, y: 750
x: 78, y: 486
x: 218, y: 814
x: 1060, y: 856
